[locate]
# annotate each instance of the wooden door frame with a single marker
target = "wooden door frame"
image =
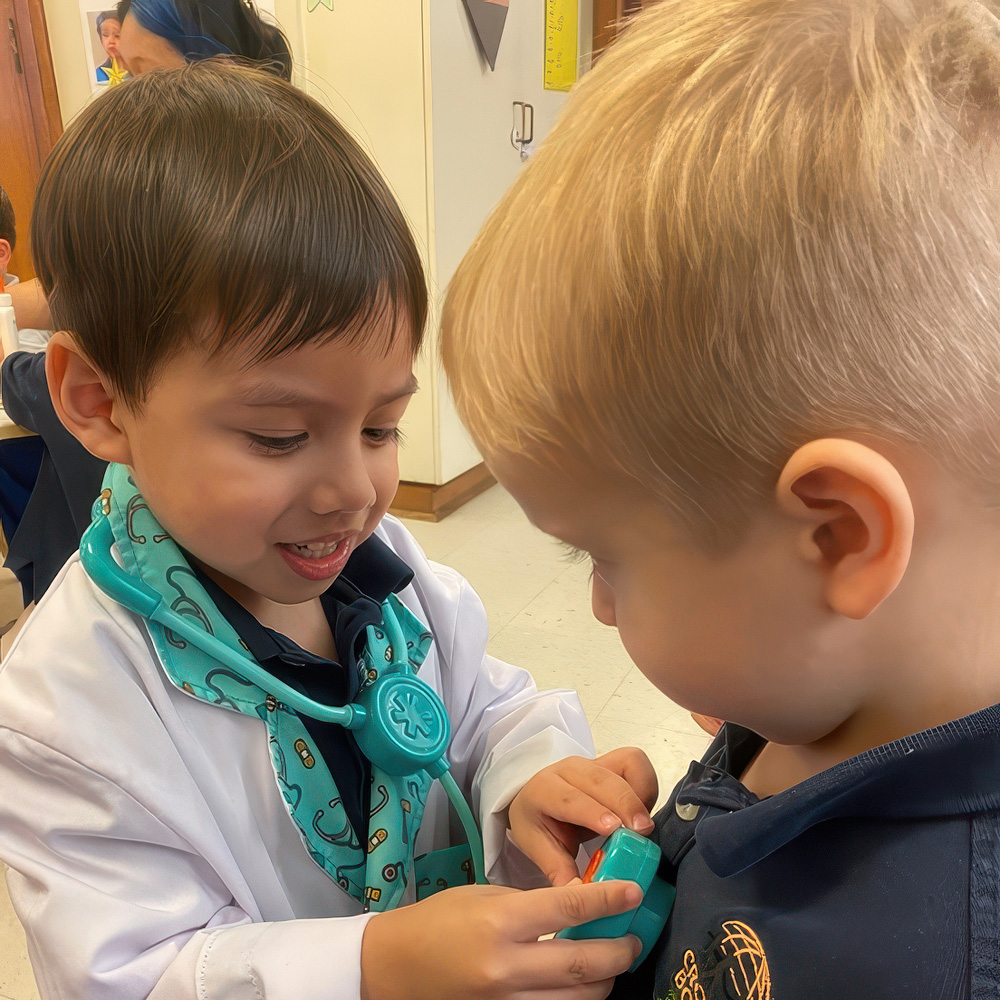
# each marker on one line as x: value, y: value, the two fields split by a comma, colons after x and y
x: 608, y: 15
x: 40, y: 120
x: 39, y: 76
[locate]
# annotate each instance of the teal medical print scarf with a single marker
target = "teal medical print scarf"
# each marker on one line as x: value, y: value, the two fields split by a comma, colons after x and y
x: 375, y: 872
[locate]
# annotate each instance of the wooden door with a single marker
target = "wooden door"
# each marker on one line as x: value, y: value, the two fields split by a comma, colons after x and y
x: 29, y: 113
x: 608, y: 17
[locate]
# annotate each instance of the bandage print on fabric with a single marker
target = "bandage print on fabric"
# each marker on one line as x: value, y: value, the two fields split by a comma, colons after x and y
x: 375, y: 872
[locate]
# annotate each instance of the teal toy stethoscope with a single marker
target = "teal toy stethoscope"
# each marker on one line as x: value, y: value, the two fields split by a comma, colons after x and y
x: 399, y: 721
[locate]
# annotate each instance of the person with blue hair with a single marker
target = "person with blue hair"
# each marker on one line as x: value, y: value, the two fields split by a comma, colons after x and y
x: 167, y: 33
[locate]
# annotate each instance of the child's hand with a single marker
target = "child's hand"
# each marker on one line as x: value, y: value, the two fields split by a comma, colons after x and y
x: 559, y: 807
x: 482, y: 941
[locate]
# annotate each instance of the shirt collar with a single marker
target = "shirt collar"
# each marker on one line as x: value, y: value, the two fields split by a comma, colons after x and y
x: 949, y: 770
x: 375, y: 571
x: 371, y: 574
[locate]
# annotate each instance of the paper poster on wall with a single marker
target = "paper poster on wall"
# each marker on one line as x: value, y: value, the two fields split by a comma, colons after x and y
x: 101, y: 32
x: 488, y: 19
x: 560, y: 44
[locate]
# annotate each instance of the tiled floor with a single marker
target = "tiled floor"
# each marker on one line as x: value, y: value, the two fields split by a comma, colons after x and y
x: 538, y: 605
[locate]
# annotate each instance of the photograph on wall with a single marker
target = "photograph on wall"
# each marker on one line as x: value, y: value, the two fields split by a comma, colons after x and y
x: 102, y: 31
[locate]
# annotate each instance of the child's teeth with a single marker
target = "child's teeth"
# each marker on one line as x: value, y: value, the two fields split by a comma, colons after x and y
x: 316, y: 550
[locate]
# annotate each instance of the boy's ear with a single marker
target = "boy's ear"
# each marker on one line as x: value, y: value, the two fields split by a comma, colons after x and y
x: 859, y: 519
x: 5, y: 254
x: 83, y: 401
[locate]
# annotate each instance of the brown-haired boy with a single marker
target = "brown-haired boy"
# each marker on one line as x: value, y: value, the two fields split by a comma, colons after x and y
x: 746, y: 356
x: 181, y: 822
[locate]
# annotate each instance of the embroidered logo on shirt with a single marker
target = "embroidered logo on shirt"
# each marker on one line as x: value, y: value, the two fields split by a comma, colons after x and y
x: 733, y: 967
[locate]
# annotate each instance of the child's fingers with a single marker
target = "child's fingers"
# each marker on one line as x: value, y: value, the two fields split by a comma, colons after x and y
x: 552, y: 855
x: 601, y: 800
x: 635, y: 767
x: 546, y: 911
x: 586, y: 991
x: 575, y: 969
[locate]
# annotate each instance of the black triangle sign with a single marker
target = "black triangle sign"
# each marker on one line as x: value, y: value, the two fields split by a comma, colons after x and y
x: 488, y: 18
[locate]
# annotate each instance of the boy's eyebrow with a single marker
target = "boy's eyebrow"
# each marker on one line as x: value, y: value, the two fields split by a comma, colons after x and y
x: 270, y: 394
x: 408, y: 389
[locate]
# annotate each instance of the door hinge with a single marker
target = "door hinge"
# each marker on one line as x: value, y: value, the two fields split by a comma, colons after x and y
x: 13, y: 44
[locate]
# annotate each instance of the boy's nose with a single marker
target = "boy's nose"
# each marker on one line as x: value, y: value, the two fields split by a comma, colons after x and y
x: 344, y: 490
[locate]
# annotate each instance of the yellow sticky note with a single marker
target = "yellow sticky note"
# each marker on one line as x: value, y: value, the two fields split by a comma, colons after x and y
x: 560, y: 44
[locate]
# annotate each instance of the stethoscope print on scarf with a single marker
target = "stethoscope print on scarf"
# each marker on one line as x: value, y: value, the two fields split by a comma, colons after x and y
x: 399, y: 721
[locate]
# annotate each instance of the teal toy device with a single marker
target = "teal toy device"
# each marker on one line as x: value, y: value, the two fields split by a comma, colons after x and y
x: 627, y: 855
x: 399, y: 722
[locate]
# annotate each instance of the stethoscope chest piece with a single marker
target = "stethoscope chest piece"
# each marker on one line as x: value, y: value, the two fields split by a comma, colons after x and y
x: 406, y: 727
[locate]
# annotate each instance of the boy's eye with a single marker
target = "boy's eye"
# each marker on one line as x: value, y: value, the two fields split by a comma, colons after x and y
x: 276, y: 445
x: 383, y: 435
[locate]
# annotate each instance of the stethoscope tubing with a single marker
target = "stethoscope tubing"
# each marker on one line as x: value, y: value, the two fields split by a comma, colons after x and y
x: 138, y: 597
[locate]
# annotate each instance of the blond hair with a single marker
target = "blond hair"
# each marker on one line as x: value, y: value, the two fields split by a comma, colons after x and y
x: 756, y: 223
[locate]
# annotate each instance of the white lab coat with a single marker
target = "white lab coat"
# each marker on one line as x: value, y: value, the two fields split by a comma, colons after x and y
x: 150, y: 850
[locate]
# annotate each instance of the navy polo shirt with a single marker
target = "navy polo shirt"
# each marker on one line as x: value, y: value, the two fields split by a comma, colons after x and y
x: 352, y: 603
x: 877, y: 879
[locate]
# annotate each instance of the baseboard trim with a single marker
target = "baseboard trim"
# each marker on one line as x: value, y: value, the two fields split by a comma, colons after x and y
x: 427, y: 502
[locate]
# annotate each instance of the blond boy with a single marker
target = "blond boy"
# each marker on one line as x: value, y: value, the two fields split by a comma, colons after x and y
x: 746, y: 357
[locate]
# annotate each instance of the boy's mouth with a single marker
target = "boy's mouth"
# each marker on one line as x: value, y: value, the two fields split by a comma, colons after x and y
x: 317, y: 560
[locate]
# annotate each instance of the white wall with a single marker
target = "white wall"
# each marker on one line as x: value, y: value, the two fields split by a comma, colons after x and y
x: 408, y: 79
x: 472, y: 156
x: 69, y: 59
x: 365, y: 61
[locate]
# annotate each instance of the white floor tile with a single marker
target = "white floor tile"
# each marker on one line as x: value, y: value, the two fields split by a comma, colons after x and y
x: 456, y: 529
x: 11, y: 603
x: 637, y: 700
x: 669, y: 752
x: 558, y: 659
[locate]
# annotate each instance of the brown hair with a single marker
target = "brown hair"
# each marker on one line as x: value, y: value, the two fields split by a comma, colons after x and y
x: 757, y: 222
x: 216, y: 194
x: 8, y: 230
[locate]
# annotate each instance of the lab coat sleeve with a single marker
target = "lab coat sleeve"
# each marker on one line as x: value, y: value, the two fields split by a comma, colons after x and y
x: 118, y: 906
x: 504, y: 730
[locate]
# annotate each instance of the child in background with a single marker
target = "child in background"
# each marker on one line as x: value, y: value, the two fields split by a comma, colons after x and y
x: 746, y: 358
x: 109, y: 30
x: 49, y: 480
x: 21, y: 458
x: 8, y: 240
x: 243, y: 359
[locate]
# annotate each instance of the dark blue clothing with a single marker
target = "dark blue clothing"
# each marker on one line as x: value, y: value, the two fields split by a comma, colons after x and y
x: 351, y: 604
x: 20, y: 460
x: 878, y: 879
x: 69, y: 480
